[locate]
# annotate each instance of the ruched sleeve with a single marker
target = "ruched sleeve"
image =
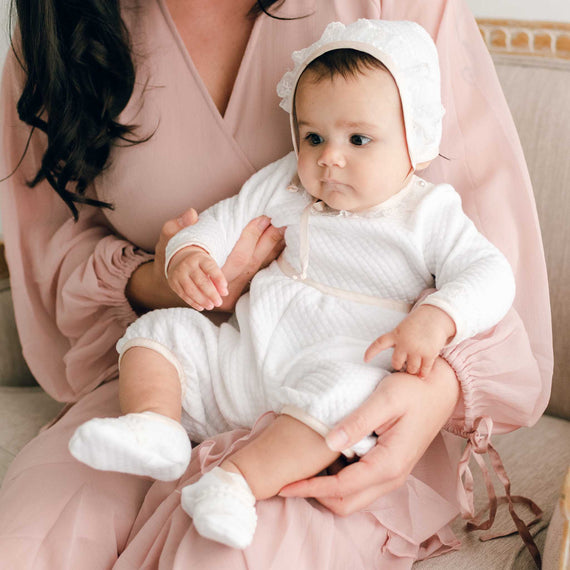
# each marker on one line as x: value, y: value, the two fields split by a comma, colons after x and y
x: 505, y: 373
x: 68, y: 279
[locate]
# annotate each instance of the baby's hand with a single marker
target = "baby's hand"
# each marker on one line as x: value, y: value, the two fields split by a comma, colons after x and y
x: 196, y: 278
x: 417, y: 340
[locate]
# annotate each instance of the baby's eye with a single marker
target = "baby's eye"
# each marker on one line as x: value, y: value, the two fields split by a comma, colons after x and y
x: 313, y: 139
x: 359, y: 140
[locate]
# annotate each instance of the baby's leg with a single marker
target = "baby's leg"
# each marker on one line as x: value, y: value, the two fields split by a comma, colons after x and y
x: 222, y: 502
x: 148, y: 382
x: 286, y: 451
x: 148, y: 439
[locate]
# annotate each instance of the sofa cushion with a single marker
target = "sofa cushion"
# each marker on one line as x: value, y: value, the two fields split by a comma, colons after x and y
x: 536, y: 460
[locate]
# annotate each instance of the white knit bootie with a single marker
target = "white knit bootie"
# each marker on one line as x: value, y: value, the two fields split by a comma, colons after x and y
x: 223, y: 508
x: 144, y: 443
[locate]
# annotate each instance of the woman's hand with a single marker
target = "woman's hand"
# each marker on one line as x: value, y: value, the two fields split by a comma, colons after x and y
x: 406, y: 413
x: 259, y: 244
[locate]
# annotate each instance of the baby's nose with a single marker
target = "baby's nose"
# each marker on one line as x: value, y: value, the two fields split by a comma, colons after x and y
x: 331, y: 155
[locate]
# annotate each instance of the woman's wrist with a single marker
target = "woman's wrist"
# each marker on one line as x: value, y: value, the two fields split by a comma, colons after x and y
x: 146, y: 290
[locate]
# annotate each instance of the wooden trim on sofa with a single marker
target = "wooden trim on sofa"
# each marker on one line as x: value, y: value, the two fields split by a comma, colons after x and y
x: 3, y: 265
x: 518, y: 37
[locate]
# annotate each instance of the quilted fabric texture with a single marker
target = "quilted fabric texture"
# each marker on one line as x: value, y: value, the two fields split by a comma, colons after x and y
x: 295, y: 345
x: 410, y: 55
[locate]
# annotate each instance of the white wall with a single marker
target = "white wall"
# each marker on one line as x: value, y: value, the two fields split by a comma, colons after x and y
x: 544, y: 10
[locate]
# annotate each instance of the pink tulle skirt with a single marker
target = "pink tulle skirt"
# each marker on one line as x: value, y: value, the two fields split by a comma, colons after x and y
x: 56, y: 513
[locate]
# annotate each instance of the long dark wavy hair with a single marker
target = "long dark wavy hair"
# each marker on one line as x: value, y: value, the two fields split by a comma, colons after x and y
x: 79, y: 77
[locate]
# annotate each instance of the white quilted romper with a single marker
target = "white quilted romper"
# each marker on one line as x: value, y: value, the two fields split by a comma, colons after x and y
x: 297, y: 340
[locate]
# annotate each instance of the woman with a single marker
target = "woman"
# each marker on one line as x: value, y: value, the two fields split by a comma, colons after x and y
x: 205, y: 98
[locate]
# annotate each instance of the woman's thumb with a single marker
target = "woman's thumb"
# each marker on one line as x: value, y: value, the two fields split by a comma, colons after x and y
x: 188, y: 218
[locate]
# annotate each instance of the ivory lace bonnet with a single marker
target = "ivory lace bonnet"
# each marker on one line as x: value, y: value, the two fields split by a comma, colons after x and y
x: 408, y: 52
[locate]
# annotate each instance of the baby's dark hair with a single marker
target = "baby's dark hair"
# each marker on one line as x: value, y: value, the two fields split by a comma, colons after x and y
x: 345, y: 62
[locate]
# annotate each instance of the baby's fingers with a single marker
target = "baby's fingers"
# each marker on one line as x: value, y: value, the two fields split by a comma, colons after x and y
x: 209, y: 296
x: 381, y: 343
x: 399, y: 359
x: 427, y: 365
x: 218, y: 279
x: 190, y: 294
x: 414, y: 364
x: 197, y: 290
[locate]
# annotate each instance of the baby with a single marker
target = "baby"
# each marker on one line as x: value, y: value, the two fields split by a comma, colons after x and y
x: 365, y: 236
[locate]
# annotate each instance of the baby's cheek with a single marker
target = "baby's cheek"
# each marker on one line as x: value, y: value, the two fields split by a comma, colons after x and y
x: 304, y: 169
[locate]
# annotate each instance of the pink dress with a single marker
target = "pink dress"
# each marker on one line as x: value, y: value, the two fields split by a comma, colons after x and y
x: 68, y: 285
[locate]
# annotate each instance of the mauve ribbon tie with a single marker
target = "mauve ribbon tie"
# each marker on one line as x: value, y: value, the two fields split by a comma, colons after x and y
x: 479, y: 444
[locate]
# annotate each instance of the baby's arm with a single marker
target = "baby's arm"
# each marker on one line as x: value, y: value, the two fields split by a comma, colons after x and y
x: 196, y: 278
x: 474, y: 281
x: 219, y: 227
x: 417, y: 340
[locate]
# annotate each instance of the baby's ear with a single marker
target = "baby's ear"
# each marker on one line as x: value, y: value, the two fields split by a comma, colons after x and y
x: 423, y: 165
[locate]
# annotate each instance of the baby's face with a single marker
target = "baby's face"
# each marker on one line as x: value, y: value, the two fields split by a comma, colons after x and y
x: 352, y: 142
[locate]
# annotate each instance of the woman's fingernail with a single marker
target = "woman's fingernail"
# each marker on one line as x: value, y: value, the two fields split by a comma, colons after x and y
x: 337, y: 440
x: 263, y: 223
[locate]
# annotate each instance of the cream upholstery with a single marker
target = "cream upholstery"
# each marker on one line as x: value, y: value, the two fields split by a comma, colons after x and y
x: 538, y: 92
x: 542, y: 115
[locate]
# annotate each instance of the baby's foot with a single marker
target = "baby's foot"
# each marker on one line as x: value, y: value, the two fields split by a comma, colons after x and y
x: 145, y: 443
x: 223, y: 508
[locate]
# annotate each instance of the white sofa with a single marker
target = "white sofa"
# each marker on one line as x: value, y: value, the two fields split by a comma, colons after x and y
x: 538, y: 91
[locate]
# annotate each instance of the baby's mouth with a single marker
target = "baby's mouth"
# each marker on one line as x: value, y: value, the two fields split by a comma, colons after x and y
x: 331, y: 185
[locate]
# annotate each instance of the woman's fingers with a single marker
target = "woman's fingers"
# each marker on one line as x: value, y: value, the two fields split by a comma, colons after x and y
x: 356, y: 486
x: 257, y: 246
x: 372, y: 416
x: 345, y: 506
x: 406, y: 413
x: 348, y: 480
x: 172, y: 227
